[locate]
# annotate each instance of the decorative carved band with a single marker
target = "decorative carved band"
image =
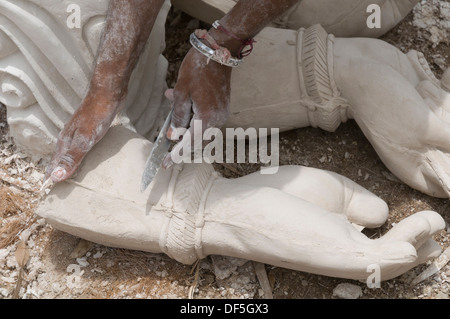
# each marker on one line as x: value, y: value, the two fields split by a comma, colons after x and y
x: 326, y: 108
x: 183, y: 240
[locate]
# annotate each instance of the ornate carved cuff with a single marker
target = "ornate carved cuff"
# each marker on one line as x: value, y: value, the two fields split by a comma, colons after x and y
x: 188, y: 190
x: 320, y: 95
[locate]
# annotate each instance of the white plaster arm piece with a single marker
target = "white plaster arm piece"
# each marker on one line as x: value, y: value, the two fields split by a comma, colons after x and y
x: 323, y: 81
x: 402, y: 109
x: 190, y: 212
x: 254, y: 219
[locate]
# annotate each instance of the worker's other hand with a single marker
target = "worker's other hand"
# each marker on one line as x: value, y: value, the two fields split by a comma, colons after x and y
x: 202, y: 93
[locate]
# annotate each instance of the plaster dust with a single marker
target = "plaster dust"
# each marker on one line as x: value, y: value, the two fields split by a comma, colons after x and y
x: 60, y: 266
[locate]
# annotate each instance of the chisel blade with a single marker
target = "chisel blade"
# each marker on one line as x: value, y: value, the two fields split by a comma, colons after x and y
x: 159, y: 151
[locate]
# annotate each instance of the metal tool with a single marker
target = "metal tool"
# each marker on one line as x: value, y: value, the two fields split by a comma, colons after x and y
x: 159, y: 151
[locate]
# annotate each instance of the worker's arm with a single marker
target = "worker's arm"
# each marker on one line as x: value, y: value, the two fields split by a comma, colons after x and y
x: 128, y: 26
x: 203, y: 85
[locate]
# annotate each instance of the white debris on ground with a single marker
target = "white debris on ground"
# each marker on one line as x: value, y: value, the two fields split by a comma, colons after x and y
x: 347, y: 291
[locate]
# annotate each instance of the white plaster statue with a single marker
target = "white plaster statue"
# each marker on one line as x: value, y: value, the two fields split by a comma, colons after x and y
x: 300, y: 218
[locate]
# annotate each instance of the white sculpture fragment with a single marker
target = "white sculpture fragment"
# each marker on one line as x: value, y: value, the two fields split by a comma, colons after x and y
x: 189, y: 212
x: 322, y: 81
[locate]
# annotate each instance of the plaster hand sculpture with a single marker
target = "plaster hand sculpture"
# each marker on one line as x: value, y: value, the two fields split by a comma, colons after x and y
x: 323, y: 81
x: 300, y: 218
x: 345, y: 18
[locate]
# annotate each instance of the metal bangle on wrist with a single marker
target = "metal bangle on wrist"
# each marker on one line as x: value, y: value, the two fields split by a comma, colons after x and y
x: 211, y: 53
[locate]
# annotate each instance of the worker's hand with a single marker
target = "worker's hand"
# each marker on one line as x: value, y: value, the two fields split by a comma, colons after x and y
x: 202, y: 93
x: 86, y: 127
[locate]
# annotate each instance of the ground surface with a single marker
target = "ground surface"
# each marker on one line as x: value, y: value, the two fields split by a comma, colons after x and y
x: 52, y: 269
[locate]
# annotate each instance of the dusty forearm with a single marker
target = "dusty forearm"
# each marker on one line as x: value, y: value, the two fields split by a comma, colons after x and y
x: 248, y: 18
x: 128, y: 26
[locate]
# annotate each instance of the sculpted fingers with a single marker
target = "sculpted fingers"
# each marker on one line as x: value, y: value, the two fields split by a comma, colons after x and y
x: 366, y: 209
x: 430, y: 249
x: 413, y: 235
x: 416, y: 229
x: 436, y: 134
